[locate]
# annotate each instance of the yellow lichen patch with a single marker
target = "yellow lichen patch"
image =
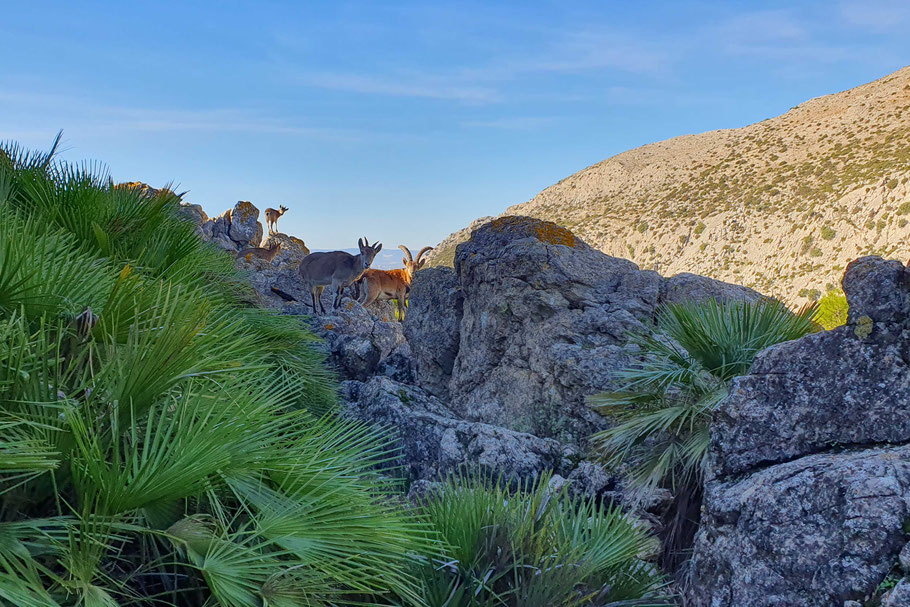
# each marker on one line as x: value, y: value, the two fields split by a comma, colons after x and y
x: 329, y: 327
x: 864, y: 326
x: 246, y: 210
x: 349, y: 305
x: 543, y: 231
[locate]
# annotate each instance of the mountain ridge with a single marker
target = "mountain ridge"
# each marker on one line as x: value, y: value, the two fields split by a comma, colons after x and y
x: 781, y: 205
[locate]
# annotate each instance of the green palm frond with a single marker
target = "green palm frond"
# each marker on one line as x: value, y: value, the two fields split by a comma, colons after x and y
x: 664, y: 408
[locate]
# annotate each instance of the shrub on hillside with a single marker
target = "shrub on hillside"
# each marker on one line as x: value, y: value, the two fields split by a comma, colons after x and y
x: 832, y: 310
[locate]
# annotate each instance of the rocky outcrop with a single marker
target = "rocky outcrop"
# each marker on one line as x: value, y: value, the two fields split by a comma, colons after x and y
x: 434, y: 442
x: 235, y: 229
x: 358, y: 345
x: 545, y: 323
x: 687, y: 287
x: 809, y: 486
x: 432, y: 327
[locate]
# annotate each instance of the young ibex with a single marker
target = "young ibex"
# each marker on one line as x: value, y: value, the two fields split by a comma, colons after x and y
x: 271, y: 217
x: 268, y: 254
x: 336, y: 268
x: 392, y: 284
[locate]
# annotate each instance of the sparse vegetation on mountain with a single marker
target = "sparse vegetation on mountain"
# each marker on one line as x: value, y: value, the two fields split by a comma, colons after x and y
x: 752, y: 195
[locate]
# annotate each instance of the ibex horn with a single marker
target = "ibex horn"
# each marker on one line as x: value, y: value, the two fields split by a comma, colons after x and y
x: 422, y: 251
x: 406, y: 252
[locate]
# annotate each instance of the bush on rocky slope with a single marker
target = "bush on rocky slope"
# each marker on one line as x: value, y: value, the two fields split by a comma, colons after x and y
x: 538, y: 548
x: 665, y: 409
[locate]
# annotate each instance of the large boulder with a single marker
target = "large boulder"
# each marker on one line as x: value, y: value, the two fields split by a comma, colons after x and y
x: 686, y: 287
x: 807, y: 498
x: 813, y: 532
x: 245, y: 229
x: 292, y: 252
x: 545, y: 323
x: 432, y: 327
x: 433, y: 442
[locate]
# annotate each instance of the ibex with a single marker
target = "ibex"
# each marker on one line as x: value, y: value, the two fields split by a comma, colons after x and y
x: 335, y: 268
x: 268, y: 254
x: 393, y: 284
x: 271, y: 217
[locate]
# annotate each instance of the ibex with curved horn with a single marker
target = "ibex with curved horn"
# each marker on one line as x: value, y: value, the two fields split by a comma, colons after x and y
x: 393, y: 284
x: 336, y: 268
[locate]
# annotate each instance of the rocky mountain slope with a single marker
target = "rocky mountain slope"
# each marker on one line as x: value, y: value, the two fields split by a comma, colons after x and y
x: 781, y: 206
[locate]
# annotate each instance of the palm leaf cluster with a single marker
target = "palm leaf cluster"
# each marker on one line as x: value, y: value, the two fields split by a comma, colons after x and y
x: 664, y: 410
x: 534, y: 548
x: 162, y: 442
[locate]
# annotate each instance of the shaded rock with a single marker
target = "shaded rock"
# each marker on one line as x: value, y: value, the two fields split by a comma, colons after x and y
x: 193, y: 212
x: 432, y: 327
x: 420, y: 490
x: 899, y: 596
x: 813, y: 532
x: 904, y: 558
x: 357, y: 343
x: 878, y: 289
x: 789, y: 516
x: 435, y: 443
x: 685, y: 287
x: 844, y: 387
x: 545, y: 323
x: 244, y: 227
x: 801, y: 397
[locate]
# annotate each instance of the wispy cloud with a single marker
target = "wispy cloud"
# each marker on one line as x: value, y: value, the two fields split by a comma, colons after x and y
x: 576, y: 51
x: 876, y: 15
x: 419, y: 86
x: 512, y: 123
x: 84, y: 113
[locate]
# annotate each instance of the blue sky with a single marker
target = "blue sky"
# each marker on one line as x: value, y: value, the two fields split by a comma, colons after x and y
x: 404, y: 121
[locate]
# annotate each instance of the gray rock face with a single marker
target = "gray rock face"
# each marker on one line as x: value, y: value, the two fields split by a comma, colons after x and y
x: 805, y: 396
x: 685, y: 287
x: 544, y: 324
x: 877, y: 288
x: 358, y: 345
x: 434, y: 442
x: 432, y: 327
x: 809, y: 485
x: 899, y: 596
x: 245, y: 228
x: 813, y: 532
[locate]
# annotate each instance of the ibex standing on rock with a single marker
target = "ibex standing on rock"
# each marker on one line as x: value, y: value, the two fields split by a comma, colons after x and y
x: 393, y: 284
x: 335, y: 268
x: 271, y: 217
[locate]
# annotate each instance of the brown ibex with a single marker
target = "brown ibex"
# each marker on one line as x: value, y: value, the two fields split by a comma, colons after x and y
x: 267, y: 254
x: 271, y: 217
x: 336, y: 268
x: 392, y: 284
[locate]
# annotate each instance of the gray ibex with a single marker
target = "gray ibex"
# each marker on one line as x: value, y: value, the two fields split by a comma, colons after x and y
x: 393, y: 284
x: 271, y: 217
x: 335, y: 268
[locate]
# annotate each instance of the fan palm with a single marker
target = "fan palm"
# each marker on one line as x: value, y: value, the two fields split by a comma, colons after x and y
x: 663, y: 411
x: 534, y: 547
x: 160, y: 442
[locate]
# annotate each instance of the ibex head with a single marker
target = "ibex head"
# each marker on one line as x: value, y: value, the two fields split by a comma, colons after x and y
x: 283, y: 209
x: 410, y: 263
x: 368, y: 251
